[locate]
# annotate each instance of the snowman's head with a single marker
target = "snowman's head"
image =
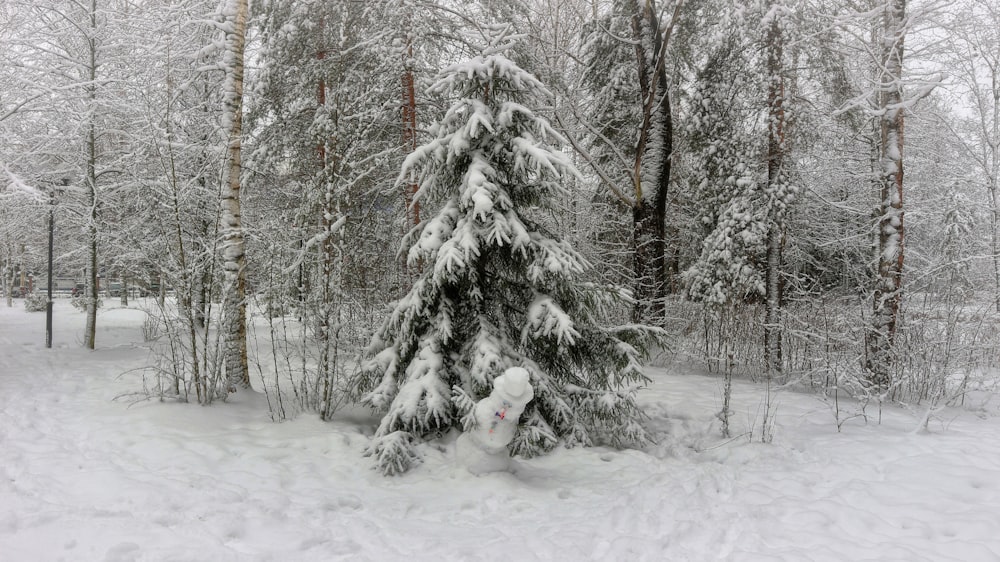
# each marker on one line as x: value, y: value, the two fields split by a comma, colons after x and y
x: 514, y: 385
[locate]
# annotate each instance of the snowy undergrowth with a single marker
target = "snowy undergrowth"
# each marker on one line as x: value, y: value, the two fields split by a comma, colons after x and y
x: 944, y: 355
x: 85, y: 477
x: 283, y: 354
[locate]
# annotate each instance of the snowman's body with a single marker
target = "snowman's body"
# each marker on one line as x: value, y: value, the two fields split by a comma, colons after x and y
x: 484, y: 448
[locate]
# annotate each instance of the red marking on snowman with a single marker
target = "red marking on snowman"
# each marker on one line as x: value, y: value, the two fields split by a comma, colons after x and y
x: 501, y: 414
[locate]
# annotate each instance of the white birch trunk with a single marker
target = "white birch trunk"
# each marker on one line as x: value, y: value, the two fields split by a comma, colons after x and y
x: 887, y: 297
x: 233, y: 255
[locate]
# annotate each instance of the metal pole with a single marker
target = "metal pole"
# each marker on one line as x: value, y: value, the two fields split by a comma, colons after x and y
x: 48, y: 305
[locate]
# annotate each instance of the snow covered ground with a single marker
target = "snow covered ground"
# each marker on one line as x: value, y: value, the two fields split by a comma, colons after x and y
x: 86, y: 477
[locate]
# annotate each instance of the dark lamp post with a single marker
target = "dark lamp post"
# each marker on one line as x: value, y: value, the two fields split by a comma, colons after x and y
x: 52, y: 228
x: 48, y: 303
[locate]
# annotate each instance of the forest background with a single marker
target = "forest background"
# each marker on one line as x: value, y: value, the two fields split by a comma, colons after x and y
x: 740, y: 171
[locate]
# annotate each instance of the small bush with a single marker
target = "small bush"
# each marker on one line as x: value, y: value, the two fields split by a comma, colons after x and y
x: 35, y: 302
x: 151, y: 328
x: 80, y: 303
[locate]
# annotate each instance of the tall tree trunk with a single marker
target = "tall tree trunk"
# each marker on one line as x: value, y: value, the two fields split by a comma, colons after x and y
x: 201, y: 282
x: 888, y: 294
x: 995, y: 239
x: 233, y: 253
x: 648, y: 261
x: 776, y: 188
x: 90, y: 329
x: 8, y: 281
x: 330, y: 249
x: 331, y: 292
x: 994, y: 146
x: 653, y: 153
x: 188, y: 292
x: 409, y: 115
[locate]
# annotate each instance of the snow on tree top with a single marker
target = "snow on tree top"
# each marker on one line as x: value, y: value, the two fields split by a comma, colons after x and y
x: 495, y: 70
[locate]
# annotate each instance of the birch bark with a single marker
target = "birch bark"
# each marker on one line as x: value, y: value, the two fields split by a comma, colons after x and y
x: 233, y: 250
x: 888, y: 294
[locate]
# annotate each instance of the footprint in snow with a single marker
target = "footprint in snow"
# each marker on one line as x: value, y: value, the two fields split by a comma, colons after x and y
x: 123, y: 552
x: 345, y: 503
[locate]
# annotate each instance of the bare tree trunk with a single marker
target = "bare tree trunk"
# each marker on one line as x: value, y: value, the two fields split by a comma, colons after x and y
x: 994, y: 148
x: 656, y: 132
x: 201, y: 283
x: 90, y: 329
x: 409, y: 114
x: 186, y: 293
x: 330, y: 254
x: 994, y: 145
x: 995, y: 242
x: 649, y: 259
x: 888, y: 294
x: 233, y: 252
x: 190, y: 291
x: 775, y: 180
x: 8, y: 281
x: 772, y: 322
x: 330, y: 307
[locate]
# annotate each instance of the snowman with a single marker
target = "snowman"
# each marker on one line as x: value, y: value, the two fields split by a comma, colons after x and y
x: 484, y: 448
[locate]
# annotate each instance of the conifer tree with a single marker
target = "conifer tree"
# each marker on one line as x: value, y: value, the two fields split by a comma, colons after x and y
x: 497, y: 289
x: 742, y: 201
x: 729, y: 203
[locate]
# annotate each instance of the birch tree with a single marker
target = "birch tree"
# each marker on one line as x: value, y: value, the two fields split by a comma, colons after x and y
x: 233, y: 251
x: 888, y: 290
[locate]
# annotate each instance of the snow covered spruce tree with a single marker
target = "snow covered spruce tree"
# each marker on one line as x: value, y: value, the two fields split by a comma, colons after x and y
x: 729, y: 203
x: 496, y: 288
